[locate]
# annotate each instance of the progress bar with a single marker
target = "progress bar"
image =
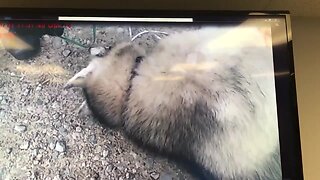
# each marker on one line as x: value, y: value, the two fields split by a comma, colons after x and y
x: 124, y: 19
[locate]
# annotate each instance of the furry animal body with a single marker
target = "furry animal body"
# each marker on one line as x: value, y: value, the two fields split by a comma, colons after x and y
x: 207, y: 96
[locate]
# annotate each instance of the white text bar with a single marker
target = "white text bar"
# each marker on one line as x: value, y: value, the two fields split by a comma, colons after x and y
x: 124, y: 19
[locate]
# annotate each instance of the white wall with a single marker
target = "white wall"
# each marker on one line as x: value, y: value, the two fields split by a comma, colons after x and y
x: 306, y: 43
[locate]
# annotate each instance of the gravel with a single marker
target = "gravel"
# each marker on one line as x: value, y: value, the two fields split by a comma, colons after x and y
x: 63, y: 131
x: 25, y: 145
x: 78, y: 129
x: 60, y: 146
x: 105, y: 153
x: 93, y: 139
x: 38, y: 88
x: 52, y: 145
x: 66, y: 53
x: 8, y: 150
x: 97, y: 51
x: 57, y: 177
x: 155, y: 175
x: 43, y: 137
x: 20, y: 128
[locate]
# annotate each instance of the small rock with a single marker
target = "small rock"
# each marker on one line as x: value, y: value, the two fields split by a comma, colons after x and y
x: 134, y: 171
x: 64, y: 43
x: 93, y: 139
x: 57, y: 177
x: 75, y: 135
x: 66, y: 163
x: 39, y: 156
x: 9, y: 150
x: 95, y: 176
x: 35, y: 162
x: 98, y: 149
x: 66, y: 53
x: 109, y: 168
x: 155, y: 175
x: 78, y: 129
x: 128, y: 175
x: 145, y: 173
x: 104, y: 162
x: 38, y: 88
x: 121, y: 168
x: 33, y: 175
x: 26, y: 92
x: 25, y: 145
x: 39, y: 102
x: 137, y: 164
x: 60, y: 146
x: 20, y: 128
x: 96, y: 158
x: 165, y: 176
x: 133, y: 154
x: 120, y: 150
x: 52, y: 145
x: 96, y: 51
x: 54, y: 132
x: 46, y: 37
x: 35, y: 152
x: 63, y: 131
x: 4, y: 102
x: 55, y: 105
x: 105, y: 153
x: 56, y: 116
x: 57, y: 43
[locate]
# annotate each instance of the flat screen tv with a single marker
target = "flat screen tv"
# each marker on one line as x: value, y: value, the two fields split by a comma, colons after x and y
x: 101, y: 94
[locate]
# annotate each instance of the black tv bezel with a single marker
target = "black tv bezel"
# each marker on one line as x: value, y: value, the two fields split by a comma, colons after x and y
x: 290, y: 144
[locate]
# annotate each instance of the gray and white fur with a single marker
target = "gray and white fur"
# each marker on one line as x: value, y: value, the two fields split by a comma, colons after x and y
x: 206, y: 95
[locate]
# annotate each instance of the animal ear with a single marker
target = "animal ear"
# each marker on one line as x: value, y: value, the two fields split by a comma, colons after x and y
x: 80, y: 79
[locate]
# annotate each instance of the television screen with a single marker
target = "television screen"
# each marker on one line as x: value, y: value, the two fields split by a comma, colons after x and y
x: 141, y: 95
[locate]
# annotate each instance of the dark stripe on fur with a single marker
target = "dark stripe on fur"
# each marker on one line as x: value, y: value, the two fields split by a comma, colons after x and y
x: 134, y: 73
x: 181, y: 138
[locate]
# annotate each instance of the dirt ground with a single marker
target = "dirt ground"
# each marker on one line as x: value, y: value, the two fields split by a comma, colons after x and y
x: 42, y: 136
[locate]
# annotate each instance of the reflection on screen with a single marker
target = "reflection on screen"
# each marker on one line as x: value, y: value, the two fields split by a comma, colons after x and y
x: 201, y: 95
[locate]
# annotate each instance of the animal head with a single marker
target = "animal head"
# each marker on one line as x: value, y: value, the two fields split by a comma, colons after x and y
x: 120, y: 60
x: 105, y: 82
